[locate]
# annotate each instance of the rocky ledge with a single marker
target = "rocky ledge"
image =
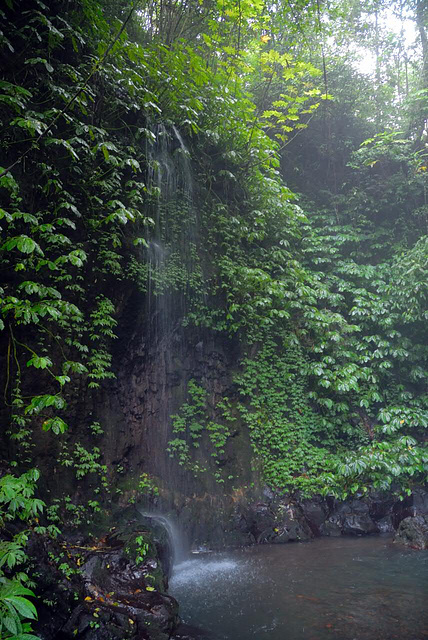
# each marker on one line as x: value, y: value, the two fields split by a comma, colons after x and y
x: 278, y: 519
x: 413, y: 532
x: 109, y: 589
x: 115, y: 587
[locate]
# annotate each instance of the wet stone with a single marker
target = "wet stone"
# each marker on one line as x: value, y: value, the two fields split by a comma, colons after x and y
x: 413, y: 532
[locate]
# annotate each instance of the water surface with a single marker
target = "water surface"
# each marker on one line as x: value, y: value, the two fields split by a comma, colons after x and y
x: 336, y: 588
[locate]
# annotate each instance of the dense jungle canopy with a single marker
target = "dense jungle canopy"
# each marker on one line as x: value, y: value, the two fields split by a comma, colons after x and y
x: 255, y: 170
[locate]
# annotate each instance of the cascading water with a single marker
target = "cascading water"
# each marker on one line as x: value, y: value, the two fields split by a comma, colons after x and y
x: 170, y: 179
x: 176, y: 539
x: 171, y: 261
x: 172, y: 242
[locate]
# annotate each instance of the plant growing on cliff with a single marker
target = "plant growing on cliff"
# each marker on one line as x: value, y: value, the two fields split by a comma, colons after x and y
x: 193, y: 423
x: 329, y: 306
x: 17, y: 503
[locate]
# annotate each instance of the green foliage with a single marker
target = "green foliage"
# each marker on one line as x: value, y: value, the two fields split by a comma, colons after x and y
x: 15, y: 609
x: 75, y: 514
x: 150, y: 158
x: 83, y: 461
x: 189, y: 422
x: 142, y: 549
x: 383, y: 465
x: 194, y: 426
x: 286, y: 433
x: 17, y: 504
x: 147, y: 485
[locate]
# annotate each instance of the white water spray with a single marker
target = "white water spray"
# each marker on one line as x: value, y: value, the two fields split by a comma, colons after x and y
x: 175, y: 537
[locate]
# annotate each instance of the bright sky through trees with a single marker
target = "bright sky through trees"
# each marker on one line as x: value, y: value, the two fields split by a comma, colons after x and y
x: 405, y: 28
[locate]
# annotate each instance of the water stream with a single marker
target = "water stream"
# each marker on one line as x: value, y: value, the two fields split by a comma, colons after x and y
x: 336, y: 588
x: 177, y: 541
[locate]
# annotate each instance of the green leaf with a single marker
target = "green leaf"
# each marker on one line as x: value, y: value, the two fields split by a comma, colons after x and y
x: 10, y: 623
x: 39, y: 362
x: 139, y: 241
x: 24, y: 606
x: 26, y: 244
x: 34, y: 61
x: 56, y: 424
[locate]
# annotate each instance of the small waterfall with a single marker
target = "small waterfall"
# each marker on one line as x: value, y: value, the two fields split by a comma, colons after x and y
x: 170, y: 173
x: 173, y: 289
x: 172, y: 241
x: 185, y: 168
x: 175, y: 537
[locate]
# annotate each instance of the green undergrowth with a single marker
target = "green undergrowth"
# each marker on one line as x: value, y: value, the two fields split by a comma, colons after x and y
x: 141, y: 156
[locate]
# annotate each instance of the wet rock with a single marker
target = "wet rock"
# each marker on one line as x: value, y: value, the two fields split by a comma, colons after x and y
x: 350, y: 518
x: 331, y: 527
x: 359, y: 524
x: 380, y: 505
x: 413, y: 532
x: 57, y: 595
x: 216, y: 526
x: 385, y: 525
x: 277, y: 523
x: 315, y: 512
x: 260, y: 521
x: 420, y: 502
x: 111, y: 595
x: 143, y: 617
x: 291, y: 522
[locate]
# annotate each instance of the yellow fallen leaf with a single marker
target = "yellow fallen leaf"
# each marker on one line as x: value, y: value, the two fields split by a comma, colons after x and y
x: 88, y: 599
x: 131, y: 621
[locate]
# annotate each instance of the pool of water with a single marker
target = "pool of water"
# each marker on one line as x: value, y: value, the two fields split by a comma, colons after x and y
x: 336, y: 588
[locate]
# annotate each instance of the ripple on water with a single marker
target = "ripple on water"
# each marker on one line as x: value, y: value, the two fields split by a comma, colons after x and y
x: 330, y: 589
x: 195, y: 572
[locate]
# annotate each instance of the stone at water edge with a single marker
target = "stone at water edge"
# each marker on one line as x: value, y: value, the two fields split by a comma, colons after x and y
x: 413, y: 532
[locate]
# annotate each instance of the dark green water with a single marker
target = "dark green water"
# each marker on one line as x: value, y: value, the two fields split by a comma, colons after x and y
x: 336, y: 588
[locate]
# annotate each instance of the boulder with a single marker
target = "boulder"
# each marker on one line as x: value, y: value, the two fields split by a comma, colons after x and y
x: 413, y: 532
x: 420, y: 501
x: 315, y: 511
x: 359, y: 524
x: 331, y: 527
x: 109, y: 592
x: 291, y: 522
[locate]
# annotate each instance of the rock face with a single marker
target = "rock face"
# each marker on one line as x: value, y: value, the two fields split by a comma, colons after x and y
x: 106, y: 592
x: 350, y: 518
x: 155, y: 360
x: 152, y: 385
x: 413, y: 532
x: 278, y: 520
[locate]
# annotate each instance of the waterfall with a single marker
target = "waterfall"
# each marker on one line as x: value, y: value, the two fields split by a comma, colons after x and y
x: 172, y: 242
x: 170, y: 176
x: 174, y: 274
x: 175, y: 537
